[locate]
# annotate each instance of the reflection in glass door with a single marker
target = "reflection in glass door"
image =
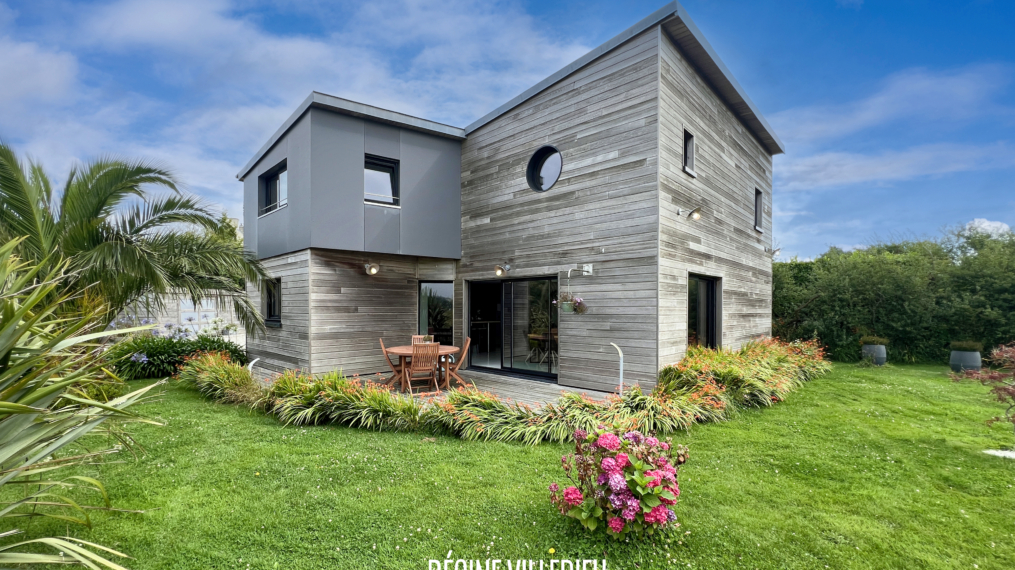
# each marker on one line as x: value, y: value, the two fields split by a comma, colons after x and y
x: 702, y: 313
x: 436, y: 311
x: 521, y: 334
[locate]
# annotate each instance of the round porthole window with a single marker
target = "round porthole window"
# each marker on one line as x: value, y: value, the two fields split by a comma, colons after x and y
x: 544, y: 169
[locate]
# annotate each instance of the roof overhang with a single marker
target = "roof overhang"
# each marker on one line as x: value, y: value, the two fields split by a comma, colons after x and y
x: 346, y: 107
x: 686, y: 35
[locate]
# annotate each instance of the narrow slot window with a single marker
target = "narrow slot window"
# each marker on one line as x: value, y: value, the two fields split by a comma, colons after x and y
x: 759, y: 205
x: 689, y: 153
x: 273, y: 302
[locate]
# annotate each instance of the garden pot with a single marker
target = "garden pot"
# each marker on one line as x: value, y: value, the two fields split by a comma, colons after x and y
x: 876, y: 353
x: 965, y: 360
x: 567, y: 307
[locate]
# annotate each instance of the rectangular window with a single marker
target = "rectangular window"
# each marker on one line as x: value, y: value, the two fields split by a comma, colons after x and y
x: 274, y: 189
x: 689, y: 153
x: 759, y: 205
x: 436, y: 310
x: 273, y: 302
x: 380, y: 180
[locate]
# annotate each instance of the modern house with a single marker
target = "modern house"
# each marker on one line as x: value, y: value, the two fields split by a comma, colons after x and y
x: 642, y: 170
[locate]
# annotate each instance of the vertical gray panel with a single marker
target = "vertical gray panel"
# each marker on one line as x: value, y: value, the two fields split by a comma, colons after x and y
x: 381, y: 232
x: 250, y: 213
x: 431, y: 189
x: 270, y: 234
x: 381, y: 140
x: 336, y: 217
x: 300, y: 178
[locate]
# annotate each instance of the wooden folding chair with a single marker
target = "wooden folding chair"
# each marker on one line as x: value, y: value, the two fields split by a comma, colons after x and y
x: 423, y: 365
x: 454, y: 366
x: 396, y: 369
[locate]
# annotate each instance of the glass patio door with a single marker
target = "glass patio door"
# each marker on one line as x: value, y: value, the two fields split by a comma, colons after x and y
x: 514, y: 326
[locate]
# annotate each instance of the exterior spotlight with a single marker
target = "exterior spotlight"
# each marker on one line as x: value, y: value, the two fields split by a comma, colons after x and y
x: 501, y: 270
x: 694, y: 214
x: 372, y: 268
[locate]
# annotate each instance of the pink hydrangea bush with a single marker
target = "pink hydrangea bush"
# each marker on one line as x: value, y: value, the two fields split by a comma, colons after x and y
x: 621, y: 478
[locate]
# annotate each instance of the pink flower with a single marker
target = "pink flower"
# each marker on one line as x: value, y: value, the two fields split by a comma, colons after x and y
x: 622, y: 460
x: 554, y: 487
x: 658, y: 515
x: 676, y: 493
x: 609, y: 441
x: 609, y: 465
x: 573, y: 496
x: 651, y: 441
x: 616, y: 525
x: 657, y: 478
x: 665, y: 446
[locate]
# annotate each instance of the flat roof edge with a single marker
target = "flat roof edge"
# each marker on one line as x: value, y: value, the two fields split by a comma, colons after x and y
x: 337, y: 104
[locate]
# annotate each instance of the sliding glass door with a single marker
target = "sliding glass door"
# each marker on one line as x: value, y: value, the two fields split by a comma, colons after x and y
x: 513, y: 325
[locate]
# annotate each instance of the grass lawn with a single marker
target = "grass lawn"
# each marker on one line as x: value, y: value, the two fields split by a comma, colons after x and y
x: 862, y: 468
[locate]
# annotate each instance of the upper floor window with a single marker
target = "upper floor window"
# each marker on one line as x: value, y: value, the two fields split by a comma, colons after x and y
x: 759, y: 208
x: 380, y: 181
x: 544, y: 168
x: 273, y: 302
x: 689, y: 153
x: 274, y: 189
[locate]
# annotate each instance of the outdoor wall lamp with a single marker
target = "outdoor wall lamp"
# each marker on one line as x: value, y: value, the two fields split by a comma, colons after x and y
x: 501, y: 270
x: 372, y: 268
x: 694, y: 214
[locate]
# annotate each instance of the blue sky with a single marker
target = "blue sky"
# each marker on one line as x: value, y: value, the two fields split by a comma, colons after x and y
x: 897, y: 115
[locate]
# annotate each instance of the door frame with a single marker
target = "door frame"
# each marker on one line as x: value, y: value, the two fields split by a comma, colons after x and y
x: 533, y: 374
x: 715, y: 331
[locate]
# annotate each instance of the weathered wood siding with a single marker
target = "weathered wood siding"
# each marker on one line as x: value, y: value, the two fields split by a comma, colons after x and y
x: 287, y: 347
x: 730, y: 163
x: 351, y: 310
x: 604, y: 209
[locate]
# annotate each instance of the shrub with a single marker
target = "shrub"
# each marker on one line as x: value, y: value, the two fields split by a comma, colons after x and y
x: 626, y: 480
x: 157, y: 356
x: 967, y: 346
x: 871, y: 339
x: 219, y: 378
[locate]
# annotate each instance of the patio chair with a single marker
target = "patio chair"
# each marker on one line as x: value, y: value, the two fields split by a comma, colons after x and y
x: 454, y: 366
x: 396, y: 369
x: 417, y: 338
x: 423, y: 365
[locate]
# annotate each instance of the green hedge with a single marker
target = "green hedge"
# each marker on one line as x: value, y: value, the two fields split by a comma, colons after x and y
x: 921, y: 295
x: 148, y: 356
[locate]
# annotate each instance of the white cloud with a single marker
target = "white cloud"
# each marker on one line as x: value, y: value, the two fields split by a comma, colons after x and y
x: 33, y: 74
x: 915, y: 94
x: 449, y: 61
x: 988, y: 227
x: 830, y: 169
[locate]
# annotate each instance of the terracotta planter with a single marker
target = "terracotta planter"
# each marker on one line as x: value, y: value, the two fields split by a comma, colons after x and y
x: 567, y: 307
x: 876, y: 353
x: 965, y: 360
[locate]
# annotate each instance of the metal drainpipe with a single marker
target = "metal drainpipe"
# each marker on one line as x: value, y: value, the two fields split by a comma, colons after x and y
x: 621, y: 352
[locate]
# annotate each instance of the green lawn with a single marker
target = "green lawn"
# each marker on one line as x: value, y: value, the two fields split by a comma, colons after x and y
x: 859, y: 469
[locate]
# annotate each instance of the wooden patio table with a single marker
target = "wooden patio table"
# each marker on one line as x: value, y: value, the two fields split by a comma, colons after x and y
x: 405, y: 351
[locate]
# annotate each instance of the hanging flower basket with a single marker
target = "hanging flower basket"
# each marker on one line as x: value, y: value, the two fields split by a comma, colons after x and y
x: 567, y: 307
x: 570, y: 304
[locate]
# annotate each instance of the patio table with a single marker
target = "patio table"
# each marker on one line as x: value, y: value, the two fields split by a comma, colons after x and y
x: 405, y: 351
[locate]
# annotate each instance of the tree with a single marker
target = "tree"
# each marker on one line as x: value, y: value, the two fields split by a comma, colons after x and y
x: 124, y: 244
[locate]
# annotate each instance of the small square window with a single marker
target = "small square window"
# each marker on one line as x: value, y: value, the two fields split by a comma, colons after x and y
x: 274, y: 189
x: 759, y: 209
x: 273, y: 302
x: 689, y: 153
x: 380, y: 181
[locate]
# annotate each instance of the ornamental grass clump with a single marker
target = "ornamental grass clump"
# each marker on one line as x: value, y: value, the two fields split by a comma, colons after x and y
x: 219, y: 378
x: 621, y: 480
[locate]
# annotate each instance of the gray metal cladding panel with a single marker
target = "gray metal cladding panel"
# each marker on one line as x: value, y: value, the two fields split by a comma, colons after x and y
x: 250, y: 212
x: 431, y: 196
x: 381, y: 229
x: 336, y: 204
x: 381, y: 140
x: 273, y: 234
x: 300, y: 179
